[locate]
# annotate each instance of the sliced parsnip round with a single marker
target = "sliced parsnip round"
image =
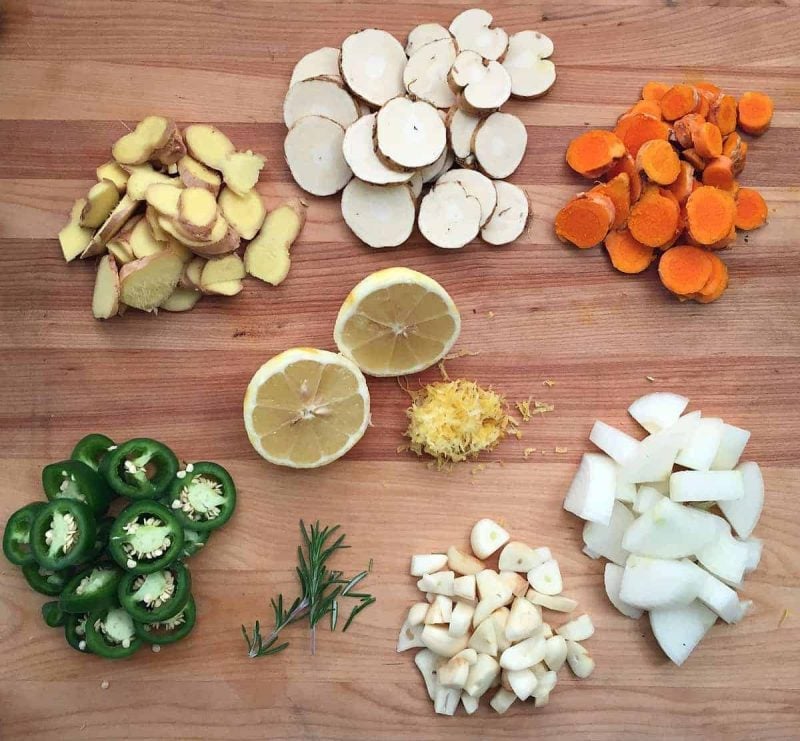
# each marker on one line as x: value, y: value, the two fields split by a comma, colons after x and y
x: 372, y: 64
x: 499, y: 144
x: 476, y: 185
x: 313, y: 150
x: 488, y: 93
x: 510, y: 216
x: 436, y: 169
x: 532, y: 74
x: 359, y: 153
x: 410, y: 134
x: 424, y: 34
x: 146, y: 283
x: 467, y: 68
x: 323, y: 62
x: 425, y: 75
x: 244, y: 213
x: 105, y: 300
x: 181, y: 299
x: 460, y: 129
x: 319, y: 98
x: 379, y: 215
x: 101, y: 200
x: 415, y: 183
x: 472, y: 32
x: 448, y: 217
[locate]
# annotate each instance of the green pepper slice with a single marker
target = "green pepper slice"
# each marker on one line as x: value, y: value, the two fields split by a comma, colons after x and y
x: 63, y: 532
x: 75, y: 480
x: 75, y: 632
x: 17, y: 535
x: 91, y: 449
x: 91, y: 589
x: 110, y: 633
x: 203, y: 496
x: 156, y: 597
x: 100, y: 542
x: 53, y: 615
x: 45, y: 581
x: 193, y: 542
x: 140, y: 468
x: 170, y: 630
x: 145, y: 537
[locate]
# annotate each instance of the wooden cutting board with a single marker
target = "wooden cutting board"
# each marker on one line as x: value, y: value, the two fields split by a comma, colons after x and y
x: 73, y: 74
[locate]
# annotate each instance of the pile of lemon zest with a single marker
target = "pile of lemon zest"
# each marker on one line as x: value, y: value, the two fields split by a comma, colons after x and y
x: 452, y: 421
x: 784, y: 617
x: 651, y: 379
x: 547, y: 382
x: 462, y: 354
x: 527, y: 452
x: 478, y: 468
x: 524, y: 408
x: 490, y: 314
x: 561, y: 450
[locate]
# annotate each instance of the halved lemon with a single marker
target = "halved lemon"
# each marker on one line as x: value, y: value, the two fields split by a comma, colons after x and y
x: 396, y: 321
x: 305, y: 408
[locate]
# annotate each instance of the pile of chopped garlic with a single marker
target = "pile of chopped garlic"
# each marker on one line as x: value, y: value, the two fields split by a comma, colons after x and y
x: 455, y: 420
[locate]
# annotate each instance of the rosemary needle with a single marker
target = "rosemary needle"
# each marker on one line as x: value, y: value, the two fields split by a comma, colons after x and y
x: 321, y: 590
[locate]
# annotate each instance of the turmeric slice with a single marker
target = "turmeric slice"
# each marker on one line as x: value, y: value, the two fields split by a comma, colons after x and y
x: 735, y: 148
x: 723, y: 243
x: 707, y: 88
x: 618, y: 191
x: 593, y: 152
x: 678, y: 101
x: 654, y: 90
x: 627, y: 255
x: 694, y: 159
x: 719, y: 173
x: 655, y: 218
x: 585, y: 220
x: 710, y: 214
x: 684, y: 127
x: 723, y: 113
x: 707, y: 140
x: 651, y: 107
x: 715, y: 286
x: 703, y: 105
x: 634, y: 129
x: 751, y: 209
x: 685, y: 270
x: 684, y: 183
x: 627, y: 165
x: 659, y: 161
x: 755, y: 113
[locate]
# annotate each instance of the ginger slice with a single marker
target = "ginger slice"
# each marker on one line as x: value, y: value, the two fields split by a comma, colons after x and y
x: 181, y: 299
x: 222, y: 270
x: 267, y: 256
x: 425, y: 75
x: 499, y: 144
x: 409, y: 134
x: 472, y: 30
x: 244, y: 213
x: 143, y: 176
x: 358, y: 148
x: 111, y: 226
x: 146, y: 283
x: 510, y: 216
x: 73, y: 237
x: 322, y: 62
x: 532, y: 73
x: 112, y: 171
x: 164, y: 198
x: 314, y: 152
x: 449, y: 217
x: 172, y: 151
x: 379, y: 215
x: 120, y: 245
x: 137, y: 147
x: 105, y: 299
x: 197, y: 212
x: 372, y: 65
x: 100, y: 202
x: 240, y: 170
x: 192, y: 272
x: 194, y: 174
x: 225, y: 288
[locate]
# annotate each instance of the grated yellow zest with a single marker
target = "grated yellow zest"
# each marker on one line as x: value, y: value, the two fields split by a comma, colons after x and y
x: 539, y: 407
x: 452, y: 421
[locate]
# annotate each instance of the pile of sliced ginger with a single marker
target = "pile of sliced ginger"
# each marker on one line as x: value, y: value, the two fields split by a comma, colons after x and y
x: 669, y: 185
x: 167, y: 216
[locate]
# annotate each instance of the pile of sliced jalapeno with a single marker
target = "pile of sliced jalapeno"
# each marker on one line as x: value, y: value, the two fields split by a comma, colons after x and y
x: 118, y: 581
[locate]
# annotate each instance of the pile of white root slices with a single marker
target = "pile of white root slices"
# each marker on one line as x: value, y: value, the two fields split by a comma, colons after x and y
x: 481, y: 629
x: 168, y: 215
x: 386, y: 124
x: 668, y: 550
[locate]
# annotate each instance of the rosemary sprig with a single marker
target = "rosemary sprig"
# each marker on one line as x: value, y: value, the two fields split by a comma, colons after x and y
x: 320, y: 592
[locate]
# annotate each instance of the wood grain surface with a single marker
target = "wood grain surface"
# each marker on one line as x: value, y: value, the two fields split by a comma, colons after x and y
x: 72, y: 74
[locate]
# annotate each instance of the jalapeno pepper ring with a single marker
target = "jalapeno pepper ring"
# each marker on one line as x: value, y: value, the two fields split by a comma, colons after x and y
x: 91, y: 589
x: 171, y: 630
x: 193, y: 542
x: 76, y: 480
x: 100, y: 542
x: 53, y: 615
x: 91, y: 449
x: 156, y: 597
x: 63, y: 533
x: 145, y: 537
x: 45, y: 581
x: 110, y: 633
x: 203, y: 496
x: 140, y: 468
x: 75, y: 632
x: 17, y: 535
